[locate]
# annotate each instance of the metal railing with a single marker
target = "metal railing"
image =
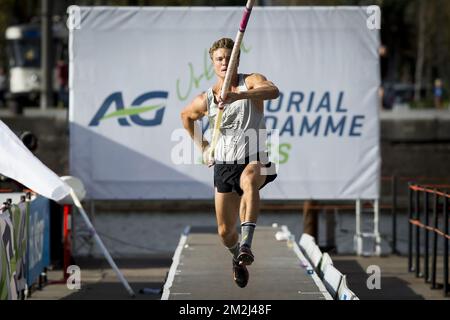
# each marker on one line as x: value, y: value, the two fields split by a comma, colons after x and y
x: 419, y: 218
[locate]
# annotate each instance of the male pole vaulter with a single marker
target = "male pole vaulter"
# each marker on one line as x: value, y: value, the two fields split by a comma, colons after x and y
x: 239, y: 160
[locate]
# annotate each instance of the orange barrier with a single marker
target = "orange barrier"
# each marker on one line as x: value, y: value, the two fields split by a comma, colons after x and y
x: 428, y: 190
x: 421, y: 225
x: 419, y: 211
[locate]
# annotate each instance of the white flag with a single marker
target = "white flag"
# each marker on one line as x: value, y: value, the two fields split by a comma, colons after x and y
x: 19, y: 164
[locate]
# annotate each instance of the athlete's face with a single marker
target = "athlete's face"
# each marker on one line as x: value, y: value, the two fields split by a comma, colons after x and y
x: 221, y: 58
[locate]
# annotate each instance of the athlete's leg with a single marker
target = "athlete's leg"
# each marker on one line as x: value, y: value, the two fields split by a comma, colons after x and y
x: 250, y: 182
x: 227, y: 209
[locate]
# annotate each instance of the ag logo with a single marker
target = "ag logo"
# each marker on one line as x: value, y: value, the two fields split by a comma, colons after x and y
x: 125, y: 115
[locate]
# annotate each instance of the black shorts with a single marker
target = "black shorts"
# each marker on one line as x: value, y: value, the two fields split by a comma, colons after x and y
x: 227, y: 177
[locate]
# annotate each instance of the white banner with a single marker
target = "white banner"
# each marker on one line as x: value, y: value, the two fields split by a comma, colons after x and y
x: 133, y: 70
x: 19, y: 164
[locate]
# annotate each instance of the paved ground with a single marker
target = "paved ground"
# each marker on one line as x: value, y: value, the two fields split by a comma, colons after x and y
x: 396, y: 282
x: 99, y: 282
x: 147, y: 276
x: 204, y: 271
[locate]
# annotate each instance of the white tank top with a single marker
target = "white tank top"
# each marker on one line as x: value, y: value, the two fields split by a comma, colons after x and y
x: 243, y: 132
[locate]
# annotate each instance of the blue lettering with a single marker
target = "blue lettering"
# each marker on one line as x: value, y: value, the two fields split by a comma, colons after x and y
x: 288, y: 126
x: 134, y: 115
x: 356, y: 124
x: 339, y: 104
x: 311, y: 100
x: 315, y: 126
x: 269, y: 104
x: 330, y: 126
x: 294, y: 101
x: 136, y: 118
x: 325, y: 103
x: 116, y: 98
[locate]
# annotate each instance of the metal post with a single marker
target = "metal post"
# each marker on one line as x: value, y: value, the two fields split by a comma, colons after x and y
x: 445, y: 245
x: 394, y: 215
x: 435, y: 224
x: 410, y: 215
x: 427, y: 232
x: 417, y: 217
x: 46, y: 55
x: 376, y: 227
x: 100, y: 243
x: 358, y: 235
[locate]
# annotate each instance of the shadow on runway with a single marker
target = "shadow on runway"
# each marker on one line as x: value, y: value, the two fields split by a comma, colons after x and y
x: 392, y: 288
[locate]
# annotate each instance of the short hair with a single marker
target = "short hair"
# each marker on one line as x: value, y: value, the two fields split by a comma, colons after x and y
x: 224, y: 43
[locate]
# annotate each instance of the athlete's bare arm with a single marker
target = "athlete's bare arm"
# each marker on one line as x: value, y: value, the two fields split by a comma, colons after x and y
x: 196, y: 110
x: 259, y: 89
